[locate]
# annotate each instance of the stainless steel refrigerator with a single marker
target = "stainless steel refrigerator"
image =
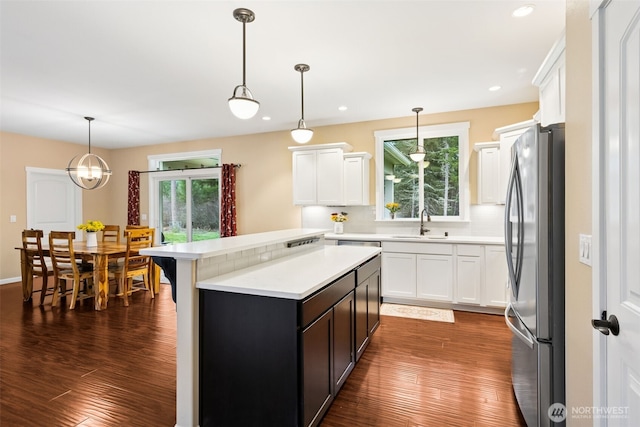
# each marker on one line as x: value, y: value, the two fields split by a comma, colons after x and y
x: 534, y: 237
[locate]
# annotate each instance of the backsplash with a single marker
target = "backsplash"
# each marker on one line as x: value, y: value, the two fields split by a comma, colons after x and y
x: 485, y: 220
x: 222, y: 264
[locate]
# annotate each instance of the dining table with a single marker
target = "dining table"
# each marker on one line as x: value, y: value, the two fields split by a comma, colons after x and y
x: 100, y: 256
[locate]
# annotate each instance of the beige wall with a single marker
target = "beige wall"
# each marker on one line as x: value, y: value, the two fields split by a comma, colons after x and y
x: 264, y: 187
x: 578, y: 208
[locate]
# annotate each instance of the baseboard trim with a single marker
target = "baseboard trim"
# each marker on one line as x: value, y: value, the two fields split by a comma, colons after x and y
x: 9, y: 280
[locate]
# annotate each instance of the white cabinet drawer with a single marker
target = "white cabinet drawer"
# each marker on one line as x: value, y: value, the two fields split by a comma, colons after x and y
x: 418, y: 248
x: 470, y: 250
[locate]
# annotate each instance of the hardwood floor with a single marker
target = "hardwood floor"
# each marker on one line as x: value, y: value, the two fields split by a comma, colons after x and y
x: 422, y: 373
x: 117, y: 368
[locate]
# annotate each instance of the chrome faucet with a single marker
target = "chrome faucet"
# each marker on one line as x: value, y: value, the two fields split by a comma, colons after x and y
x: 422, y: 229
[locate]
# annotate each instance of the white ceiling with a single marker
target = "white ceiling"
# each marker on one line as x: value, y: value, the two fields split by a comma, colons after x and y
x: 161, y: 71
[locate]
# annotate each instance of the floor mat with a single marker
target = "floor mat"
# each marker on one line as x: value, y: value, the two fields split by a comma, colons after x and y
x: 416, y: 312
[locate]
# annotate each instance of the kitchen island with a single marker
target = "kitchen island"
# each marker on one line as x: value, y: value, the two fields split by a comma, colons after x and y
x: 233, y: 285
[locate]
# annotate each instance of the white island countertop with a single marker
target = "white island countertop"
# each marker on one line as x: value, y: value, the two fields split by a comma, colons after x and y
x: 294, y: 277
x: 214, y: 247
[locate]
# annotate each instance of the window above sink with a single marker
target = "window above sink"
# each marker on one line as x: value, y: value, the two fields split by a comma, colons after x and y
x: 439, y: 183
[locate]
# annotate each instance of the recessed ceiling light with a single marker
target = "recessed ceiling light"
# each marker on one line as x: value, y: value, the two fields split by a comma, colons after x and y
x: 523, y: 11
x: 342, y: 108
x: 266, y: 118
x: 495, y: 88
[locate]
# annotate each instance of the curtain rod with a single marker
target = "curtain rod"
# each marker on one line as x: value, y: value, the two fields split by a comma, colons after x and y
x: 186, y: 169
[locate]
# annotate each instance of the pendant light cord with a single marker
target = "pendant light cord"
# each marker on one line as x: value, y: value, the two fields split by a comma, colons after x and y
x: 89, y: 119
x: 244, y: 53
x: 302, y: 92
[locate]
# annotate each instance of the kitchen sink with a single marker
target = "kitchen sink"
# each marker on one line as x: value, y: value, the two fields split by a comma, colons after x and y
x: 425, y: 237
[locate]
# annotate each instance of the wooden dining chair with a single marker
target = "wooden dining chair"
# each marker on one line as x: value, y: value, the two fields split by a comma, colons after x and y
x: 136, y: 265
x: 41, y: 266
x: 111, y: 233
x: 65, y: 267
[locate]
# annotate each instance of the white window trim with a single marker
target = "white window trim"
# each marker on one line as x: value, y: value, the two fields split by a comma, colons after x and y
x: 154, y: 161
x: 461, y: 129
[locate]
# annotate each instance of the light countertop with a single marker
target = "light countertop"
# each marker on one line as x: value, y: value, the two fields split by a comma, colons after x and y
x: 294, y: 277
x: 406, y: 237
x: 210, y: 248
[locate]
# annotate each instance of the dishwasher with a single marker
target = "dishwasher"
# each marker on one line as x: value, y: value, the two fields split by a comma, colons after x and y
x: 358, y: 243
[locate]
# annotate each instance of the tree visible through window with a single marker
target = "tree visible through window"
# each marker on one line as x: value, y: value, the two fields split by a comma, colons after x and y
x: 438, y: 183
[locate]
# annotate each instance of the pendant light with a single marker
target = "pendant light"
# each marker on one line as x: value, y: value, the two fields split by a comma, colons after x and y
x: 89, y: 171
x: 302, y: 134
x: 418, y: 152
x: 242, y: 104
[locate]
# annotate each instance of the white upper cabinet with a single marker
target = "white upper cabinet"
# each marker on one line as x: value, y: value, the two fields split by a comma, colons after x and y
x: 330, y: 175
x: 488, y: 172
x: 318, y: 174
x: 356, y: 178
x: 550, y: 80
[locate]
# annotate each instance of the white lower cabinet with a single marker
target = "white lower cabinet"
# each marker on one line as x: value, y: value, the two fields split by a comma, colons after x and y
x: 469, y: 274
x: 434, y: 277
x: 399, y: 275
x: 495, y: 279
x: 460, y: 274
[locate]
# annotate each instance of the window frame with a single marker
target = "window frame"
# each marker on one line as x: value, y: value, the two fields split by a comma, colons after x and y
x: 459, y: 129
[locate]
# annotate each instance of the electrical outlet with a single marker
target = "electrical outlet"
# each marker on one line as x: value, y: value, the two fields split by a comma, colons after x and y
x: 585, y: 249
x: 143, y: 216
x: 12, y: 218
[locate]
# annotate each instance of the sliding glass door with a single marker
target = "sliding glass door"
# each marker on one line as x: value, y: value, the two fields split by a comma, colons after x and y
x: 187, y: 206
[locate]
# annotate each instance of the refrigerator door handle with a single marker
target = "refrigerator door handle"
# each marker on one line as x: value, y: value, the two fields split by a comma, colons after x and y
x: 527, y: 339
x: 514, y: 270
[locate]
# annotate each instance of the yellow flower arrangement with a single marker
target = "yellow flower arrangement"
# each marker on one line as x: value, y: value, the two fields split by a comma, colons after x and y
x: 339, y: 217
x: 393, y: 207
x: 91, y: 226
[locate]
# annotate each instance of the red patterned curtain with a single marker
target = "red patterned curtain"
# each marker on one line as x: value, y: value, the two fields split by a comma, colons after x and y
x: 228, y: 203
x: 133, y: 213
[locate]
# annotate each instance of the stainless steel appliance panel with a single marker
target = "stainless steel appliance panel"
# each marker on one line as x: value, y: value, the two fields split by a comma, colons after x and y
x: 534, y: 238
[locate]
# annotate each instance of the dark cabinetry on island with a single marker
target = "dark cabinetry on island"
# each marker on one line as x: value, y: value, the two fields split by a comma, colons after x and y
x: 267, y: 361
x: 367, y: 296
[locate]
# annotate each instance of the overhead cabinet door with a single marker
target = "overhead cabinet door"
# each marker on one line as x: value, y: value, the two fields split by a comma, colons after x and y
x: 330, y: 176
x: 304, y: 177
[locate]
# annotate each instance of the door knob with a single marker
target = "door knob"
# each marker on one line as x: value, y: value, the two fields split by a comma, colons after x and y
x: 605, y: 325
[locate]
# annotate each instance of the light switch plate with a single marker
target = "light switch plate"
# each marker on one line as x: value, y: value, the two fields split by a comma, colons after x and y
x: 143, y: 216
x: 12, y: 218
x: 585, y: 249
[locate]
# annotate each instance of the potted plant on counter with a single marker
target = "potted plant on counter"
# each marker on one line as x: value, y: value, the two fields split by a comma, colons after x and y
x: 393, y: 208
x: 339, y: 218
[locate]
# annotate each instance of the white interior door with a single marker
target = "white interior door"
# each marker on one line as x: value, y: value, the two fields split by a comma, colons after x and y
x: 619, y: 220
x: 54, y: 202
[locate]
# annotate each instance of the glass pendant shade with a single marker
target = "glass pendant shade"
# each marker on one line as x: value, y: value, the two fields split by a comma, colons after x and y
x: 243, y: 106
x: 89, y: 171
x: 302, y: 134
x: 417, y: 154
